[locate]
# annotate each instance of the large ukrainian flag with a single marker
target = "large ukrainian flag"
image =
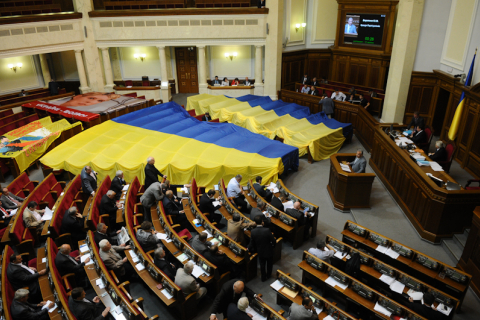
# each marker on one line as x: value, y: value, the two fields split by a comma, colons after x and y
x: 182, y: 146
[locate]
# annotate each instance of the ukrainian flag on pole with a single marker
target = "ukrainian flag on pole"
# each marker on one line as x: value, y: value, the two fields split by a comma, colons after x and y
x: 453, y: 131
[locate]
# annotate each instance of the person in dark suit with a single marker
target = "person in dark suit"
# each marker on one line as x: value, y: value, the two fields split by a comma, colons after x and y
x: 305, y: 80
x: 206, y: 117
x: 53, y: 87
x: 277, y: 202
x: 21, y: 276
x: 218, y: 259
x: 314, y: 91
x: 89, y: 180
x: 416, y: 121
x: 23, y: 93
x: 217, y: 81
x: 426, y: 309
x: 231, y: 292
x: 102, y: 234
x: 315, y: 82
x: 328, y: 106
x: 21, y: 309
x: 73, y: 223
x: 151, y: 173
x: 296, y: 213
x: 206, y: 206
x: 352, y: 91
x: 66, y: 264
x: 440, y: 152
x: 85, y: 309
x: 117, y: 184
x: 173, y: 209
x: 200, y: 244
x: 306, y: 311
x: 109, y: 206
x: 419, y: 136
x: 261, y: 4
x: 363, y: 102
x: 262, y: 190
x: 168, y: 268
x: 150, y: 198
x: 238, y: 311
x: 258, y: 212
x: 262, y: 242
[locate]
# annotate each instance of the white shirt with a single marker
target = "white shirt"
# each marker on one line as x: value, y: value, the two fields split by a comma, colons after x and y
x: 305, y: 90
x: 339, y: 97
x: 247, y: 83
x: 69, y: 257
x: 323, y: 255
x: 25, y: 267
x: 233, y: 188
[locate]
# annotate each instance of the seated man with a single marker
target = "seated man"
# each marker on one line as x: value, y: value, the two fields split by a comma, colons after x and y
x: 314, y: 82
x: 5, y: 214
x: 113, y: 261
x: 440, y: 152
x: 238, y: 311
x: 9, y: 200
x: 426, y: 309
x: 297, y: 213
x: 67, y: 264
x: 218, y: 259
x: 73, y: 223
x: 21, y: 309
x: 117, y: 184
x: 206, y: 117
x: 20, y: 276
x: 234, y: 190
x: 258, y: 211
x: 236, y: 226
x: 200, y: 243
x: 86, y: 309
x: 416, y: 121
x: 109, y: 207
x: 101, y: 234
x: 174, y: 187
x: 32, y: 217
x: 305, y: 89
x: 359, y: 164
x: 89, y: 180
x: 363, y: 102
x: 150, y: 198
x: 174, y: 209
x: 321, y: 253
x: 146, y: 236
x: 187, y: 283
x: 262, y: 190
x: 277, y: 202
x: 418, y: 136
x: 168, y: 268
x: 231, y: 292
x: 306, y: 311
x: 339, y: 96
x: 206, y: 206
x: 314, y: 91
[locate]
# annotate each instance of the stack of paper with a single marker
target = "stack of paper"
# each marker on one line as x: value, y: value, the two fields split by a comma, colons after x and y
x: 166, y: 294
x: 182, y: 257
x: 197, y: 271
x: 340, y: 255
x: 209, y: 235
x: 273, y: 187
x: 381, y: 309
x: 405, y: 139
x: 13, y: 212
x: 418, y: 156
x: 133, y: 255
x: 415, y: 295
x: 83, y: 248
x: 319, y: 310
x: 388, y: 280
x: 161, y: 236
x: 331, y: 281
x: 84, y: 257
x: 287, y: 205
x: 328, y: 318
x: 382, y: 249
x: 441, y: 307
x: 392, y: 253
x: 345, y: 167
x: 216, y: 203
x: 99, y: 283
x: 139, y: 266
x: 255, y: 315
x: 125, y: 187
x: 277, y: 285
x: 48, y: 214
x: 397, y: 286
x: 435, y: 166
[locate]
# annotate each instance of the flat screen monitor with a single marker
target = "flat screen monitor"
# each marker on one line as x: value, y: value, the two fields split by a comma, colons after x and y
x: 364, y: 29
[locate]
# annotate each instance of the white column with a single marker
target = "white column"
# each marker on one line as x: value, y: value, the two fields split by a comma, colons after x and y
x: 258, y: 71
x: 164, y: 88
x: 108, y: 70
x: 273, y: 49
x: 202, y: 70
x: 81, y: 71
x: 45, y: 69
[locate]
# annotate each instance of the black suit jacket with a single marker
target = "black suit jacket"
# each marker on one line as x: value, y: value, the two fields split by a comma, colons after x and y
x: 316, y: 83
x: 86, y: 311
x: 19, y: 278
x: 439, y: 155
x: 107, y: 206
x: 204, y: 118
x: 233, y: 313
x: 261, y: 3
x: 27, y: 311
x: 170, y: 206
x: 74, y: 226
x: 117, y: 186
x: 307, y: 82
x: 417, y: 122
x: 206, y: 205
x: 219, y: 260
x: 89, y: 184
x: 166, y: 268
x: 419, y: 137
x: 263, y: 192
x: 300, y: 216
x: 66, y: 266
x: 151, y: 175
x: 53, y: 87
x: 227, y: 296
x: 277, y: 203
x: 99, y: 237
x: 262, y: 242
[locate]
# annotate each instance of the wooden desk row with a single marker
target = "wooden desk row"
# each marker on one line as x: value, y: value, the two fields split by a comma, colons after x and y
x: 363, y: 299
x: 373, y: 269
x: 425, y: 268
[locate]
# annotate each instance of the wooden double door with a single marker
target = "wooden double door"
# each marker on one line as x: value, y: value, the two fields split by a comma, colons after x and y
x: 187, y: 73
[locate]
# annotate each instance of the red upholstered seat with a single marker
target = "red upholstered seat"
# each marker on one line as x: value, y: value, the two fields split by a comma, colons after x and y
x: 192, y: 112
x: 128, y: 83
x: 133, y: 94
x: 467, y: 186
x: 95, y: 212
x: 68, y: 198
x: 185, y: 232
x: 32, y: 263
x: 199, y: 117
x: 450, y: 148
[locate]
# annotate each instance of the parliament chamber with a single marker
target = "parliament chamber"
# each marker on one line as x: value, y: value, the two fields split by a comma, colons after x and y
x: 239, y: 159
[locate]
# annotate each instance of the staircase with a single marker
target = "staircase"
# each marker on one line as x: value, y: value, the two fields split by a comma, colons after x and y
x: 455, y: 245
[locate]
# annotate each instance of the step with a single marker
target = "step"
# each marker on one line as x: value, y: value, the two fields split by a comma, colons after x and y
x: 452, y: 248
x: 461, y: 239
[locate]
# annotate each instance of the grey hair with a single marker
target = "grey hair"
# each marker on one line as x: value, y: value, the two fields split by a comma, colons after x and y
x: 72, y: 210
x: 188, y: 267
x: 439, y: 144
x: 20, y: 294
x: 100, y: 226
x: 119, y: 173
x: 242, y: 304
x: 159, y: 253
x: 361, y: 150
x: 110, y: 192
x: 238, y: 176
x: 149, y: 159
x: 260, y: 204
x: 103, y: 243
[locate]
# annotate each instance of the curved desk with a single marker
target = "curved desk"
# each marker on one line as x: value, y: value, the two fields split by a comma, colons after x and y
x: 231, y: 91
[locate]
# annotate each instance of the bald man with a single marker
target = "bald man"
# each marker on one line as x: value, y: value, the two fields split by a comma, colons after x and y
x: 174, y: 209
x: 67, y: 264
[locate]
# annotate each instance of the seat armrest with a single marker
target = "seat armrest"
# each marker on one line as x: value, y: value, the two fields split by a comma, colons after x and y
x: 114, y: 276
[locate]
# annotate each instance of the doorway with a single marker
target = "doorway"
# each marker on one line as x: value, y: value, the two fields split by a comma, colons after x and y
x: 440, y: 111
x: 186, y: 59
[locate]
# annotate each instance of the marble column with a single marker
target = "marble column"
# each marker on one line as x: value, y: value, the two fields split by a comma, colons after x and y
x: 81, y: 72
x: 259, y: 87
x: 108, y: 70
x: 202, y: 70
x: 164, y: 88
x: 273, y: 49
x: 45, y: 69
x: 409, y: 19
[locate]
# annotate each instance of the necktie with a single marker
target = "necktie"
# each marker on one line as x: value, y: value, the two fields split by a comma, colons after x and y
x: 27, y: 268
x: 13, y: 200
x: 5, y: 213
x: 74, y: 261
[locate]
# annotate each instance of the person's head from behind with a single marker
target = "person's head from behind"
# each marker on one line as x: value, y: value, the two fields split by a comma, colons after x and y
x: 236, y: 217
x: 73, y: 211
x: 32, y: 205
x: 359, y: 153
x: 428, y: 299
x: 65, y: 249
x: 188, y: 268
x: 78, y: 293
x: 211, y: 193
x: 350, y: 21
x: 102, y: 228
x: 238, y: 287
x: 439, y: 144
x: 202, y: 237
x: 258, y: 220
x: 297, y: 205
x: 119, y: 174
x: 258, y: 179
x: 111, y: 194
x: 169, y: 194
x: 261, y: 205
x: 159, y: 253
x: 146, y: 226
x: 321, y: 244
x: 21, y: 295
x: 242, y: 304
x: 90, y: 98
x: 307, y: 303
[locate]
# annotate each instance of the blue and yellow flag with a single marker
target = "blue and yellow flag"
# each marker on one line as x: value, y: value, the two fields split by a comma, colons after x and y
x: 457, y: 118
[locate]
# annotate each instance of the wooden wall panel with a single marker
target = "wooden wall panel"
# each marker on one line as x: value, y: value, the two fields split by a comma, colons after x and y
x: 315, y: 63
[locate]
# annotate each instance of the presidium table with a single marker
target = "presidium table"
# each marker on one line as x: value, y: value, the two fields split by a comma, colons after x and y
x: 231, y: 91
x: 348, y: 189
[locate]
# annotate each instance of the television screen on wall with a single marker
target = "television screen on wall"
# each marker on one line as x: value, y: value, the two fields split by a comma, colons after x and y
x: 364, y: 29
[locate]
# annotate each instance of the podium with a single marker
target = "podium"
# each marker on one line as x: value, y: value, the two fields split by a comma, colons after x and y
x: 348, y: 189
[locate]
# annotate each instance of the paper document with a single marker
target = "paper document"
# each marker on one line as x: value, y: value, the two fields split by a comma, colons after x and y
x: 435, y: 166
x: 340, y: 255
x: 388, y: 280
x: 83, y: 248
x: 84, y: 257
x: 345, y: 167
x: 209, y: 235
x: 182, y: 257
x: 328, y: 318
x: 255, y: 315
x: 44, y: 260
x: 52, y: 308
x: 167, y: 294
x: 99, y: 283
x: 397, y: 286
x: 381, y: 249
x: 215, y: 187
x: 119, y: 317
x: 184, y: 189
x: 441, y: 308
x: 216, y: 203
x: 287, y: 205
x: 290, y: 293
x: 134, y: 256
x: 318, y: 310
x: 334, y: 283
x: 392, y: 253
x: 48, y: 214
x: 123, y: 236
x: 125, y: 187
x: 197, y: 271
x: 161, y: 236
x: 415, y: 295
x: 13, y: 212
x: 381, y: 309
x: 272, y: 185
x: 277, y: 285
x: 139, y: 266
